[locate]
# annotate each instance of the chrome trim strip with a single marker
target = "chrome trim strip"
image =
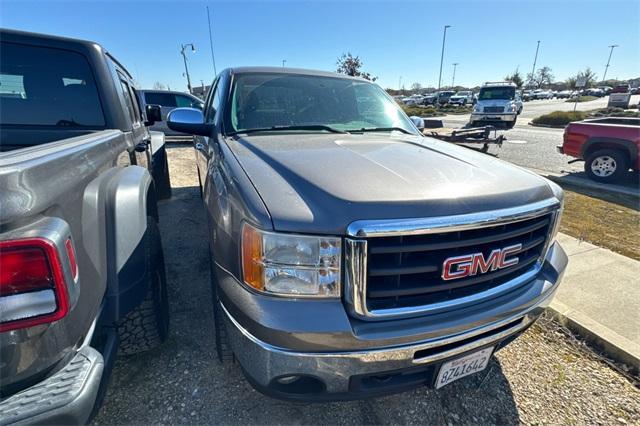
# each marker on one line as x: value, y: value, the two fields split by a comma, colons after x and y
x: 430, y: 225
x: 407, y: 350
x: 355, y: 280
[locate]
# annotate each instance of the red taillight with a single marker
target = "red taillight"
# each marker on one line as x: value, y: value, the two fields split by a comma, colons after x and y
x: 32, y: 284
x: 71, y: 254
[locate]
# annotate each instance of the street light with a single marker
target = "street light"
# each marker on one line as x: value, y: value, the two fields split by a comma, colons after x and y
x: 453, y: 79
x: 283, y: 62
x: 184, y: 56
x: 444, y: 37
x: 535, y: 59
x: 604, y: 77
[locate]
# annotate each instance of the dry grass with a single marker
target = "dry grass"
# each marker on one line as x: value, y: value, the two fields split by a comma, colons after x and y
x: 613, y: 223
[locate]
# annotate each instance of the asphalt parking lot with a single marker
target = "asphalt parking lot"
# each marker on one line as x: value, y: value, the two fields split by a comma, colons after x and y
x: 546, y: 376
x: 535, y: 147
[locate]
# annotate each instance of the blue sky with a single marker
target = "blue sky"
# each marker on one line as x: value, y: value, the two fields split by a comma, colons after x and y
x: 488, y: 38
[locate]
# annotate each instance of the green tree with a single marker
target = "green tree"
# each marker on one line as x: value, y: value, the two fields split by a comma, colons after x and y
x: 352, y: 65
x: 515, y: 78
x: 588, y: 75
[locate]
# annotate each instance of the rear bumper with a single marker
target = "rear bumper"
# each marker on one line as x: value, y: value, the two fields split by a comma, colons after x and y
x: 66, y: 397
x: 362, y: 373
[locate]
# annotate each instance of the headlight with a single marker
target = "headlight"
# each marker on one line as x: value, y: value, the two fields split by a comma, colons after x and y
x: 559, y: 194
x: 511, y: 108
x: 477, y: 108
x: 291, y: 265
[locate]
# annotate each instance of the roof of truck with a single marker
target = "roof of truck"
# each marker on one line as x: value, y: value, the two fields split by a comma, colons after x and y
x: 284, y: 70
x: 25, y: 36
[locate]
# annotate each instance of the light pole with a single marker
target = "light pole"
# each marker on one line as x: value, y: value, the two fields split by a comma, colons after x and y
x: 453, y: 79
x: 604, y: 77
x: 444, y: 37
x: 283, y: 62
x: 400, y: 85
x: 535, y: 59
x: 184, y: 56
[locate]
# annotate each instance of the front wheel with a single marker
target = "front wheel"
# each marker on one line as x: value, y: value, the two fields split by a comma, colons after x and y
x: 606, y: 165
x: 511, y: 124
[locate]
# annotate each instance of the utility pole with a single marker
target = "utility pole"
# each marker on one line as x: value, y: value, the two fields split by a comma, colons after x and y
x: 453, y: 79
x: 400, y: 85
x: 535, y: 59
x: 184, y: 56
x: 283, y: 62
x: 213, y: 58
x: 604, y: 77
x: 444, y: 37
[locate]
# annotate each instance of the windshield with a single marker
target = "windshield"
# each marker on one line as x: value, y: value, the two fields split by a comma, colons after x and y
x: 463, y: 93
x: 268, y: 101
x: 489, y: 93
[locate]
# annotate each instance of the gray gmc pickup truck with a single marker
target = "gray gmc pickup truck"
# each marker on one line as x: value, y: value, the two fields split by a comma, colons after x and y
x: 81, y: 262
x: 351, y: 256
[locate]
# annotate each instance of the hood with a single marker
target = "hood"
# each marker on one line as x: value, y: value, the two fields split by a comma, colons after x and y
x: 322, y: 183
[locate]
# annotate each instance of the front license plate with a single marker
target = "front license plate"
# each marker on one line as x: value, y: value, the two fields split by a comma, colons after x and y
x: 462, y: 367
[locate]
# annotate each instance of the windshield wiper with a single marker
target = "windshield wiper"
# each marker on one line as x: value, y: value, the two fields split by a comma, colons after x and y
x: 380, y: 129
x: 284, y: 128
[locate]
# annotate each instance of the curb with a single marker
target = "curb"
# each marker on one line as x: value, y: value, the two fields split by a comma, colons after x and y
x: 548, y: 126
x: 611, y: 343
x: 586, y: 183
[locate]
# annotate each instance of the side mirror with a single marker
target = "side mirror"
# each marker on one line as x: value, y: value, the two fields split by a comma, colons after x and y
x: 153, y: 114
x: 188, y: 120
x: 419, y: 122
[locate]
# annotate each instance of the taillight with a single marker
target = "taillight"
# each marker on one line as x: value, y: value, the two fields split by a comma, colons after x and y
x: 32, y: 283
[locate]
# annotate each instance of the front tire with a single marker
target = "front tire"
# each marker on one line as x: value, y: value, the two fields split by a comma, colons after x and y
x: 223, y: 345
x: 147, y: 326
x: 511, y: 124
x: 606, y: 165
x: 162, y: 179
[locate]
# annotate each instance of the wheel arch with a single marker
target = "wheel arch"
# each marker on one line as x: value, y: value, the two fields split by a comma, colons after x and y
x: 118, y: 204
x: 595, y: 143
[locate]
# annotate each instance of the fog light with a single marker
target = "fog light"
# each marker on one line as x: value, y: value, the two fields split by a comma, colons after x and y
x: 287, y: 380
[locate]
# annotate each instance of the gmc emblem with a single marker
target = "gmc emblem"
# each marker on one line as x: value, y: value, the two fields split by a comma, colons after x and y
x: 473, y: 264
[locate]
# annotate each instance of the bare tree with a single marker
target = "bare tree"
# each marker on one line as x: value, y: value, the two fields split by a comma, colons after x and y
x: 416, y: 87
x: 158, y: 86
x: 352, y: 65
x: 543, y: 77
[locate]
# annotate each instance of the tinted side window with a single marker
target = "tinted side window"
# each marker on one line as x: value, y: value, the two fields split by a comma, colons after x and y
x: 162, y: 99
x: 47, y: 87
x: 128, y: 101
x: 216, y: 101
x: 184, y: 101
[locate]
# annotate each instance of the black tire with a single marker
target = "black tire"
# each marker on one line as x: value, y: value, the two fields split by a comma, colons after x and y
x: 162, y: 178
x: 510, y: 124
x: 606, y: 165
x: 199, y: 183
x: 147, y: 326
x: 223, y: 346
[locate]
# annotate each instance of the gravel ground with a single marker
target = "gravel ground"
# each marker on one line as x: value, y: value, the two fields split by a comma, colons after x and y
x: 545, y: 376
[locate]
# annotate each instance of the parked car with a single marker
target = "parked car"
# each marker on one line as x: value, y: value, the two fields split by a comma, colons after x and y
x: 527, y: 95
x: 606, y: 89
x: 430, y: 99
x: 462, y: 97
x: 609, y: 146
x: 621, y: 88
x: 339, y: 270
x: 81, y: 259
x: 498, y: 104
x: 542, y: 94
x: 168, y: 100
x: 444, y: 95
x: 564, y: 94
x: 594, y: 92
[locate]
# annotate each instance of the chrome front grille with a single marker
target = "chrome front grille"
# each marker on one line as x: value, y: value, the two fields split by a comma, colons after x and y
x: 494, y: 109
x: 395, y: 268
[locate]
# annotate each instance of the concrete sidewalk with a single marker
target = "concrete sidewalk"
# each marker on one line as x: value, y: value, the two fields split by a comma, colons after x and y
x: 599, y: 299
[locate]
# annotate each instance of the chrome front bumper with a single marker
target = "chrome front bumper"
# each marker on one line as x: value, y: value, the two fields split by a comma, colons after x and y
x: 487, y: 116
x: 337, y: 372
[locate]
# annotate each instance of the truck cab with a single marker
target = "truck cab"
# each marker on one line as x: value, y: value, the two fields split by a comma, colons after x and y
x: 498, y: 104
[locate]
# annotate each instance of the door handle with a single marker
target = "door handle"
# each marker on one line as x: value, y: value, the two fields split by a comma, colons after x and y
x: 200, y: 146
